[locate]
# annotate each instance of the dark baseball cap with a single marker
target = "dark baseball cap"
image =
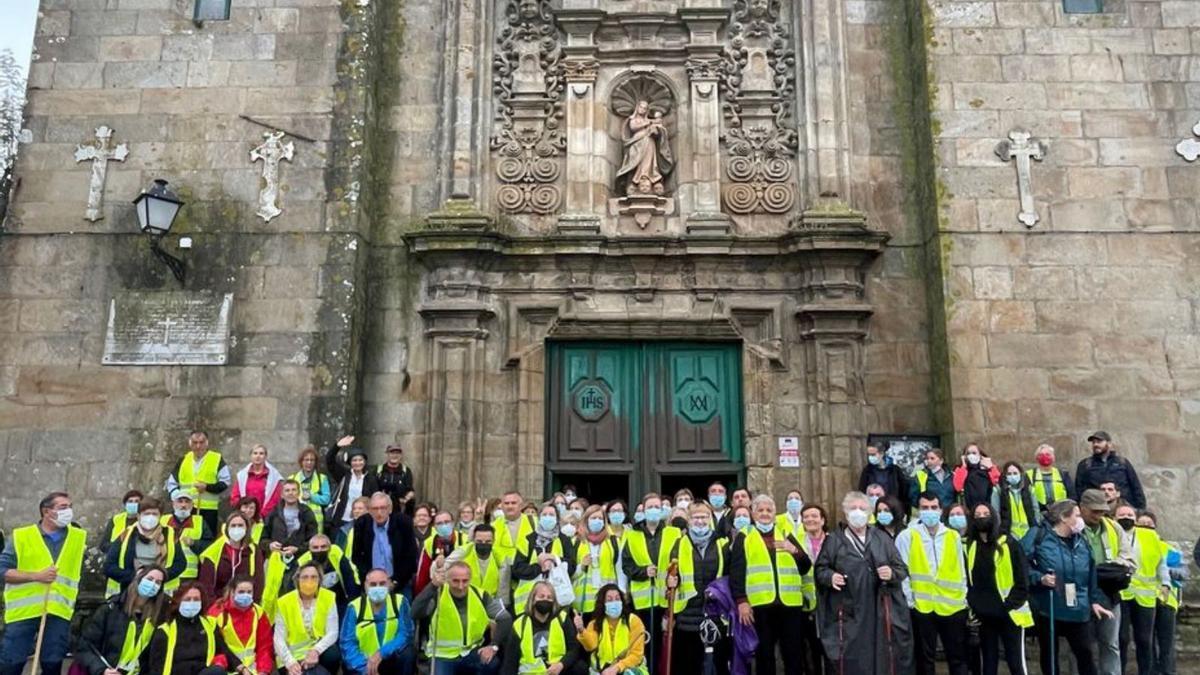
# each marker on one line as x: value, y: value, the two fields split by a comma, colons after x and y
x: 1100, y: 436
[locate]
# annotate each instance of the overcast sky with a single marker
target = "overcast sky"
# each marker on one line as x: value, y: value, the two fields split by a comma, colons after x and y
x: 17, y: 18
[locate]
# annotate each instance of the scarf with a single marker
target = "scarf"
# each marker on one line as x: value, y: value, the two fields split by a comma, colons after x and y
x: 596, y: 538
x: 545, y: 537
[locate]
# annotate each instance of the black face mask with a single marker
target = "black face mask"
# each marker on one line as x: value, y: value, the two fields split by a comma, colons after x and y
x: 543, y: 606
x: 1126, y: 523
x: 320, y: 557
x: 681, y: 523
x: 483, y: 550
x: 984, y: 524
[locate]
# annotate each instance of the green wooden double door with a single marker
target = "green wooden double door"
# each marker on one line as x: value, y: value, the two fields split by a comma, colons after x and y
x: 624, y: 418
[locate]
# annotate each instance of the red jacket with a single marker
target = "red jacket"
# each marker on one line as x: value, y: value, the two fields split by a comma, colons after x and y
x: 256, y: 486
x: 242, y: 621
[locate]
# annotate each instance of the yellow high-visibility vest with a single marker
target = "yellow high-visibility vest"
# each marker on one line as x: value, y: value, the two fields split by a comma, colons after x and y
x: 459, y: 539
x: 364, y: 628
x: 136, y: 640
x: 335, y: 561
x: 684, y: 551
x: 1058, y: 489
x: 603, y: 571
x: 766, y: 582
x: 1018, y: 519
x: 299, y: 638
x: 489, y: 581
x: 273, y: 581
x: 120, y: 521
x: 209, y: 474
x: 113, y: 588
x: 26, y: 600
x: 525, y: 586
x: 614, y: 644
x: 1173, y: 597
x: 942, y: 591
x: 638, y: 549
x: 193, y: 531
x: 1020, y: 616
x: 506, y: 547
x: 244, y: 651
x: 453, y: 639
x: 172, y: 631
x: 310, y: 486
x: 556, y: 645
x: 1148, y: 553
x: 808, y: 582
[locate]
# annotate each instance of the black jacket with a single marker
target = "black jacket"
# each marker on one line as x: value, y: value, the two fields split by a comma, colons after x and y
x: 122, y: 571
x: 977, y: 488
x: 511, y: 650
x: 737, y: 563
x: 190, y: 649
x: 275, y: 529
x: 404, y: 547
x: 339, y: 471
x: 105, y: 631
x: 890, y: 477
x: 396, y: 483
x: 1093, y: 471
x: 704, y: 572
x: 525, y: 568
x: 982, y: 594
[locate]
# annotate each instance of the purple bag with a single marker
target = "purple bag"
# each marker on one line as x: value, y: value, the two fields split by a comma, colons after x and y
x: 718, y: 602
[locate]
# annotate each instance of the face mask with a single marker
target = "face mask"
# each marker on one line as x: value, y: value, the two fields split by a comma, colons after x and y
x: 884, y: 518
x: 1078, y: 526
x: 309, y: 586
x: 483, y: 550
x: 684, y: 504
x: 666, y: 506
x: 872, y: 500
x: 443, y: 529
x: 148, y: 588
x: 595, y: 525
x: 578, y: 513
x: 972, y: 459
x: 465, y: 524
x: 320, y: 557
x: 958, y: 521
x: 377, y: 594
x: 189, y: 609
x: 131, y: 508
x: 612, y: 608
x: 236, y: 534
x: 764, y: 527
x: 857, y: 518
x: 679, y: 522
x: 568, y: 530
x: 182, y: 514
x: 984, y: 524
x: 547, y: 523
x: 616, y: 517
x: 700, y: 531
x: 1126, y: 523
x: 741, y: 522
x: 654, y: 515
x: 243, y: 600
x: 1045, y: 460
x: 498, y: 514
x: 570, y: 496
x: 639, y: 516
x: 1013, y: 479
x: 873, y: 460
x: 543, y: 606
x: 561, y: 508
x: 147, y: 521
x: 930, y: 518
x: 794, y: 505
x: 932, y: 466
x: 716, y: 501
x: 63, y: 517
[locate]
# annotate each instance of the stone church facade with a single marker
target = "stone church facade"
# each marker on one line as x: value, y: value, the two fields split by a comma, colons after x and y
x: 625, y: 243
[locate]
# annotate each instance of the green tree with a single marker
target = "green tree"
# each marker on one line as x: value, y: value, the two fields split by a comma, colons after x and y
x: 12, y: 103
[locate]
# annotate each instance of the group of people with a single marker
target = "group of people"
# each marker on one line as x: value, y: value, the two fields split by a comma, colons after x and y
x: 316, y: 573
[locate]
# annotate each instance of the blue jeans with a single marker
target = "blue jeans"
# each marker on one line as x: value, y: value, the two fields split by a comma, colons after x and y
x: 20, y: 639
x: 467, y: 665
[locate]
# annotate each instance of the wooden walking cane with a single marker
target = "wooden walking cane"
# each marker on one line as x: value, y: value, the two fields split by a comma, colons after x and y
x: 669, y: 633
x: 37, y: 649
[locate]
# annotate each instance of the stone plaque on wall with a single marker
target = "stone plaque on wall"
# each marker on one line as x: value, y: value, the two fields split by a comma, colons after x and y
x: 155, y: 329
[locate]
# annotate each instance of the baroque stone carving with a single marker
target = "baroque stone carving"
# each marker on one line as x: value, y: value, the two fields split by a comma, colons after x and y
x: 99, y: 154
x: 1189, y: 148
x: 1021, y: 147
x: 272, y: 151
x: 528, y: 83
x: 758, y: 79
x: 646, y: 158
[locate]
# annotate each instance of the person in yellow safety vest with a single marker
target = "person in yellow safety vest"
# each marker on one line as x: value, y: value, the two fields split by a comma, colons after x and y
x: 277, y: 569
x: 337, y: 574
x: 933, y: 477
x: 246, y: 629
x: 613, y: 637
x: 512, y: 528
x: 545, y: 548
x: 997, y: 591
x: 204, y: 470
x: 306, y: 627
x: 377, y: 632
x: 120, y: 520
x: 1151, y: 580
x: 191, y: 534
x: 466, y: 627
x: 115, y: 635
x: 187, y: 642
x: 766, y: 570
x: 251, y: 508
x: 741, y: 522
x: 480, y: 556
x: 230, y: 555
x: 443, y: 541
x: 1105, y: 545
x: 701, y: 555
x: 1047, y: 482
x: 544, y: 639
x: 146, y: 542
x: 936, y: 587
x: 641, y: 560
x: 889, y: 516
x: 788, y: 522
x: 615, y: 514
x: 314, y: 485
x: 1019, y: 510
x: 1168, y: 601
x: 596, y: 558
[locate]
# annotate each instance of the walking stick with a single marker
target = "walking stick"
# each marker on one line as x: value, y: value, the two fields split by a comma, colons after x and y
x: 668, y: 634
x: 1053, y: 639
x: 37, y: 649
x: 650, y: 629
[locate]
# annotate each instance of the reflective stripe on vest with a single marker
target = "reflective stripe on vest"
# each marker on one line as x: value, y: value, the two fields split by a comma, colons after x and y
x: 210, y: 467
x: 614, y: 645
x: 766, y: 582
x: 448, y: 637
x: 335, y: 562
x: 26, y: 600
x: 365, y: 628
x: 556, y: 645
x: 684, y: 552
x: 943, y: 591
x: 1020, y: 616
x: 488, y: 582
x: 589, y: 581
x: 525, y: 586
x: 1019, y: 520
x: 136, y: 640
x: 193, y: 531
x: 244, y: 651
x: 1147, y: 553
x: 172, y: 632
x: 808, y: 583
x: 1058, y: 490
x: 301, y: 638
x: 636, y: 546
x: 113, y: 588
x: 311, y: 486
x: 506, y: 547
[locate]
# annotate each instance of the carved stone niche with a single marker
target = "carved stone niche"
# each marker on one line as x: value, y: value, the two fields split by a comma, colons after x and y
x: 642, y: 126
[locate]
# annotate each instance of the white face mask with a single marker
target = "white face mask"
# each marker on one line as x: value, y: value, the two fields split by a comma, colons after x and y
x: 64, y: 517
x: 148, y: 521
x: 236, y: 534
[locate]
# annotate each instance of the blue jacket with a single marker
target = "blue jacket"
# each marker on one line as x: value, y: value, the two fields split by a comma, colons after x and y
x: 943, y: 489
x: 352, y: 657
x: 1071, y: 561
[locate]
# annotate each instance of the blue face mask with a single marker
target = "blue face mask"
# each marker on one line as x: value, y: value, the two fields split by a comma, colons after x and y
x: 741, y: 522
x: 444, y: 529
x: 794, y: 505
x: 700, y: 531
x: 765, y: 527
x: 561, y: 508
x: 654, y: 515
x: 930, y: 518
x: 1013, y: 479
x: 639, y: 517
x: 595, y: 525
x: 131, y: 508
x: 873, y: 459
x: 148, y: 588
x: 547, y: 523
x: 189, y: 609
x: 243, y: 600
x: 884, y: 517
x: 717, y: 501
x: 616, y: 517
x: 377, y: 594
x: 958, y: 521
x: 612, y: 608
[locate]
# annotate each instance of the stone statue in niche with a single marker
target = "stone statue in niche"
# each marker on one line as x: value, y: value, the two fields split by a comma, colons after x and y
x: 647, y: 151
